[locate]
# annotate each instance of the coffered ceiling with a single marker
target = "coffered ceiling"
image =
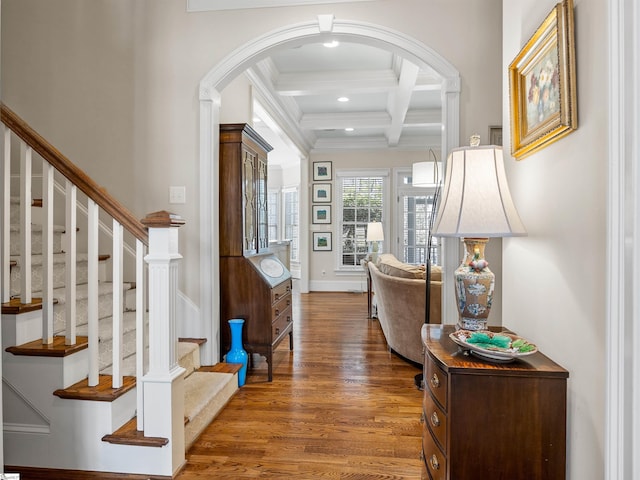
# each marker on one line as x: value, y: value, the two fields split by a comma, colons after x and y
x: 348, y: 96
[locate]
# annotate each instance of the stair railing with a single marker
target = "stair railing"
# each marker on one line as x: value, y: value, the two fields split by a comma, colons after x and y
x: 97, y: 200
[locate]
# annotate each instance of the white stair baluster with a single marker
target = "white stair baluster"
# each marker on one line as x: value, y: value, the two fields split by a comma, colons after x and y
x: 70, y: 262
x: 92, y: 294
x: 117, y: 304
x: 47, y: 253
x: 25, y: 223
x: 140, y: 332
x: 6, y: 215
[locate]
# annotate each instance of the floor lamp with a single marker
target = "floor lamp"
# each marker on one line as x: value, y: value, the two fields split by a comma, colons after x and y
x: 427, y: 174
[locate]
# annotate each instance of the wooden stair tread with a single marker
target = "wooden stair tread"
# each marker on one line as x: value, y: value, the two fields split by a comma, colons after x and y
x: 221, y: 367
x: 199, y: 341
x: 103, y: 392
x: 56, y: 349
x: 129, y: 435
x: 14, y: 307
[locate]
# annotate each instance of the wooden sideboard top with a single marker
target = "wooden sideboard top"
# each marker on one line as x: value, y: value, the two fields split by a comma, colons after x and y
x: 453, y: 358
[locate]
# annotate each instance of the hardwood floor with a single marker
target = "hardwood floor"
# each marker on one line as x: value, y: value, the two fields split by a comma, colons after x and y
x: 340, y: 405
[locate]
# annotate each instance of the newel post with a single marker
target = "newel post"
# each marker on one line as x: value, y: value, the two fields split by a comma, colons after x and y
x: 164, y: 383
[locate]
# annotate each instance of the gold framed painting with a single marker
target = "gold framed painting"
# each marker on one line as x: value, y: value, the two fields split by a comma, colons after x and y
x: 542, y: 85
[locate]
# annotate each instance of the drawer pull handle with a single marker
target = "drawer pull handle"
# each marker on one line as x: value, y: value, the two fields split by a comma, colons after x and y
x: 435, y: 381
x: 288, y: 302
x: 288, y: 288
x: 435, y: 421
x: 434, y: 462
x: 288, y: 318
x: 277, y: 296
x: 277, y: 312
x: 422, y: 417
x: 277, y: 331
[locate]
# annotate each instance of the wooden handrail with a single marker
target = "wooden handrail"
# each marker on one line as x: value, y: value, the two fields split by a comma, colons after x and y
x: 74, y: 174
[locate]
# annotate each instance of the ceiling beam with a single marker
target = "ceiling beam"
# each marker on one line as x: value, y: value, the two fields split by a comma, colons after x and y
x: 398, y: 101
x: 317, y: 83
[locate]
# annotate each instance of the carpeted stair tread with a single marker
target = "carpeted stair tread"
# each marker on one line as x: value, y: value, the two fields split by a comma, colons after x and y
x: 82, y: 291
x: 105, y: 326
x: 205, y: 395
x: 36, y: 227
x: 200, y: 388
x: 58, y: 259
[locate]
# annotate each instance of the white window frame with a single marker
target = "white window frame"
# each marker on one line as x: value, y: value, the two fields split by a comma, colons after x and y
x: 341, y: 174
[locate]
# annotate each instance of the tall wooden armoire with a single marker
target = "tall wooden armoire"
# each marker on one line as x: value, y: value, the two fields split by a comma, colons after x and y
x: 254, y: 284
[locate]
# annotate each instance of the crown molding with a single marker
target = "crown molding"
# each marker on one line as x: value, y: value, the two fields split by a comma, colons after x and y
x: 214, y: 5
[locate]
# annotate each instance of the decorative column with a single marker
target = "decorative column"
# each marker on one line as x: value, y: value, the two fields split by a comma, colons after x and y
x: 164, y: 383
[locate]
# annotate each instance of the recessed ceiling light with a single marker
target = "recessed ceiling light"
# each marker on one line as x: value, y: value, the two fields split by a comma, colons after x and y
x: 349, y: 129
x: 343, y: 99
x: 332, y: 44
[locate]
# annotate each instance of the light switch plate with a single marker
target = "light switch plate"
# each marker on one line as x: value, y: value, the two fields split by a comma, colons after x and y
x: 177, y: 195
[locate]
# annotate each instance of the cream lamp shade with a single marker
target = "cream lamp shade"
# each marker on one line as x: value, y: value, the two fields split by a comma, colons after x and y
x: 374, y: 232
x: 426, y: 174
x: 476, y: 201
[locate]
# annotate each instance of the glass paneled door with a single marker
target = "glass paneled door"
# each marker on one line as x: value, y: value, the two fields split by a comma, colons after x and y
x: 415, y: 209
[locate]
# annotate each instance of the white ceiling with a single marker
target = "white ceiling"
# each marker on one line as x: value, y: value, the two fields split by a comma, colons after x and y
x: 393, y: 103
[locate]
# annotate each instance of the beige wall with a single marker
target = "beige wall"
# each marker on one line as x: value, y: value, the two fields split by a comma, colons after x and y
x: 115, y: 84
x: 554, y: 290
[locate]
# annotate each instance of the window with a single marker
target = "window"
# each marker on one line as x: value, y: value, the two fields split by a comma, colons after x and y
x: 362, y: 201
x: 273, y: 209
x: 291, y: 222
x: 415, y: 211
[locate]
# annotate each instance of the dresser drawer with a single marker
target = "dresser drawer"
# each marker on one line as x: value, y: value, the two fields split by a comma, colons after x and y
x: 280, y: 291
x: 436, y: 420
x: 435, y: 461
x: 281, y: 323
x: 436, y: 381
x: 423, y: 470
x: 280, y: 306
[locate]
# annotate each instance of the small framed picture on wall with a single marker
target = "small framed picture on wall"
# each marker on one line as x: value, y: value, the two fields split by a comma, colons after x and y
x: 322, y: 171
x: 322, y: 192
x: 321, y: 214
x: 321, y: 241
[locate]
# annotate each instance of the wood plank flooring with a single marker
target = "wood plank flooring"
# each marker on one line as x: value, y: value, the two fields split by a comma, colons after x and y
x: 340, y: 405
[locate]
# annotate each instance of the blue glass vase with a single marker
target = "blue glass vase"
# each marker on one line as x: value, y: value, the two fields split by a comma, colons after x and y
x: 237, y: 354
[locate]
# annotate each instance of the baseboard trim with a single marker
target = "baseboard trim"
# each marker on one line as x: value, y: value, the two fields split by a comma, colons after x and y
x: 31, y: 473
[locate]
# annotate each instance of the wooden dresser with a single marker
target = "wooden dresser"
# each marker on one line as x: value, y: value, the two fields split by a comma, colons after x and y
x: 484, y: 420
x: 254, y: 283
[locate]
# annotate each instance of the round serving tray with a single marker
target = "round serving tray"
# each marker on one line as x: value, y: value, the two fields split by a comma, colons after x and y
x: 495, y: 354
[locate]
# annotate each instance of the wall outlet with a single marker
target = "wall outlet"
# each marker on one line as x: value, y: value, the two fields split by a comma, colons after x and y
x: 177, y: 195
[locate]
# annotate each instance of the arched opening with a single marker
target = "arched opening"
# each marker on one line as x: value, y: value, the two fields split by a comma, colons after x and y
x: 324, y: 27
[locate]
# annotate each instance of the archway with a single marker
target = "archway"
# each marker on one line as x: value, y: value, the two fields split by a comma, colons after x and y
x: 235, y: 63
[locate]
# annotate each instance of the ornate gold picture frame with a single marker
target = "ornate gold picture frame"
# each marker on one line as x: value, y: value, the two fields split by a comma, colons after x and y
x: 542, y: 82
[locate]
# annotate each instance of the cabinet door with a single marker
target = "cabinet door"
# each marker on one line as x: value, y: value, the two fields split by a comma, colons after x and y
x: 261, y: 204
x: 249, y: 201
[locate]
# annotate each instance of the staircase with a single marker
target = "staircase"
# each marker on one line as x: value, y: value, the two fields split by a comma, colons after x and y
x: 94, y: 377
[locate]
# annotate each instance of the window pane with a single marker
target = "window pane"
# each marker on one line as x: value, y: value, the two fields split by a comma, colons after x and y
x: 272, y: 214
x: 362, y: 202
x: 418, y: 211
x: 291, y: 222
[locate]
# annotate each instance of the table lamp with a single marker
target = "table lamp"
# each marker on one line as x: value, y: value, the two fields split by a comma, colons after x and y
x: 476, y: 205
x: 374, y: 236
